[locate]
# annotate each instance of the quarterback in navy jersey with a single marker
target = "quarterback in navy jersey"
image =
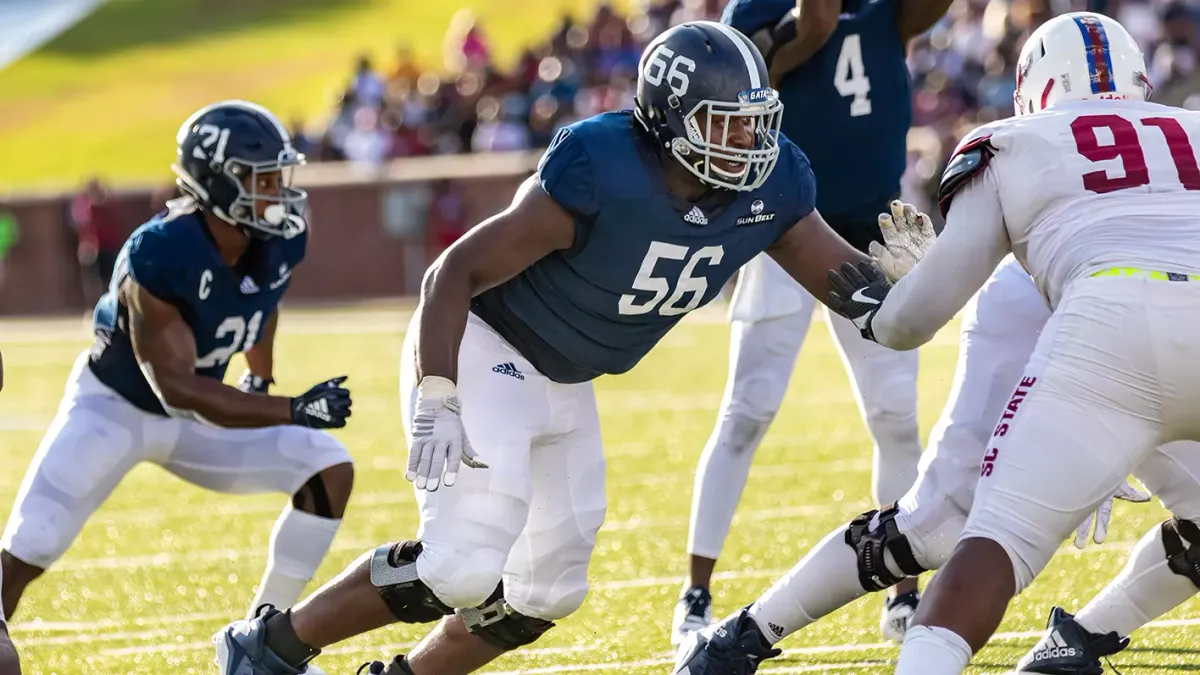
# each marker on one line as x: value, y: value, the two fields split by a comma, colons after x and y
x: 634, y: 219
x: 197, y: 284
x: 840, y: 69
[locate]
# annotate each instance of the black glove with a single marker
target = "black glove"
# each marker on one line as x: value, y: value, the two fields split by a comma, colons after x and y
x: 325, y: 406
x: 857, y: 294
x: 253, y: 384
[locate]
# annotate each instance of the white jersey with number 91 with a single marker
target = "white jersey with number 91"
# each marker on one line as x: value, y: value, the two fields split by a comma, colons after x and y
x: 1086, y: 186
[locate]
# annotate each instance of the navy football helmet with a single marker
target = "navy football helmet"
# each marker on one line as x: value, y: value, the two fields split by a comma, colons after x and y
x: 223, y: 151
x: 702, y: 89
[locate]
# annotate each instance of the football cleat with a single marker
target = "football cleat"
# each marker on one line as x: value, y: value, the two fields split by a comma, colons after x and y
x: 1068, y: 649
x: 735, y: 646
x: 398, y: 666
x: 692, y: 613
x: 897, y: 613
x: 242, y: 649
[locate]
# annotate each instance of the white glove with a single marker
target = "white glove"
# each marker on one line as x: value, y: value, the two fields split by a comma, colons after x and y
x: 439, y: 441
x: 1103, y: 514
x: 907, y: 236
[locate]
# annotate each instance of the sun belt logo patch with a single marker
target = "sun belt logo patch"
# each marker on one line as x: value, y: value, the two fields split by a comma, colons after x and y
x: 756, y: 214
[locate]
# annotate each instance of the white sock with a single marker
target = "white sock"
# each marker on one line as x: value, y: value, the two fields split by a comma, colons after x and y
x: 933, y: 650
x: 720, y: 480
x: 1144, y: 590
x: 823, y: 581
x: 299, y: 543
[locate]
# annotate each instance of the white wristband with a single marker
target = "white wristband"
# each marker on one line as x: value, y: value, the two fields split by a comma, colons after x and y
x: 436, y: 387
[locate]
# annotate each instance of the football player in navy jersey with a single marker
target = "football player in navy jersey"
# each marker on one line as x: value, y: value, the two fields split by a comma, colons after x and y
x: 634, y: 219
x: 840, y: 68
x: 194, y: 286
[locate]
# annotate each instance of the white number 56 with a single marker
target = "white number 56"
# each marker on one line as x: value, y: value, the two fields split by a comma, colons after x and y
x: 646, y: 281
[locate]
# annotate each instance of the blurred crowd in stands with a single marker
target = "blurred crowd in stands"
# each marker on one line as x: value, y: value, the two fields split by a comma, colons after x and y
x: 962, y: 76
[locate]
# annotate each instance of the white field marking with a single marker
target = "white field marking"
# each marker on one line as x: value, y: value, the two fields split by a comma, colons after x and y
x: 619, y: 584
x: 381, y: 649
x: 234, y: 555
x: 82, y: 626
x: 666, y: 658
x: 143, y: 635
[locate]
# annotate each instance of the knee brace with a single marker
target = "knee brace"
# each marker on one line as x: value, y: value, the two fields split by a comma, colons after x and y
x: 1183, y: 560
x: 872, y: 542
x: 394, y: 575
x: 498, y: 624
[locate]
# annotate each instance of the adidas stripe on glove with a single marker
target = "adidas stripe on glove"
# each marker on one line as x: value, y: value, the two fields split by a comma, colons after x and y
x: 439, y: 440
x: 325, y: 406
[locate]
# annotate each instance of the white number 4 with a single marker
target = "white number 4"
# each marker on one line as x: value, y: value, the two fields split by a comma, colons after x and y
x: 646, y: 281
x: 656, y: 67
x: 850, y: 76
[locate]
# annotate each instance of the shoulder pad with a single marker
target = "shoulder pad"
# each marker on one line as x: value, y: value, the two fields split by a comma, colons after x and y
x: 968, y: 160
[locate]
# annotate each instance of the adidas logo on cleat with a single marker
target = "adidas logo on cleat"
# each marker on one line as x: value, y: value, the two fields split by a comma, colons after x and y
x: 1060, y: 649
x: 508, y: 369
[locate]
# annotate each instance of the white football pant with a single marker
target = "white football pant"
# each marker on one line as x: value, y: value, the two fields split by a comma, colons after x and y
x: 532, y: 517
x: 770, y: 315
x: 97, y: 437
x: 1115, y: 375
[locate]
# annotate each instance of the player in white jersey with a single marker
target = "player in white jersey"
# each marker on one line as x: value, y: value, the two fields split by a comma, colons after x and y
x: 9, y: 663
x: 999, y: 332
x: 1096, y: 192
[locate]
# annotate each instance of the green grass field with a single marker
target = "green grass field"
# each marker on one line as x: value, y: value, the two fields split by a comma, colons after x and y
x: 107, y: 96
x: 163, y: 564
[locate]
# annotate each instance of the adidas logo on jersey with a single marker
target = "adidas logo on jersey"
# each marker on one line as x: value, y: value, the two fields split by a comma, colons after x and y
x: 696, y: 216
x: 508, y: 369
x: 776, y: 630
x: 248, y: 286
x: 1058, y: 649
x: 318, y: 409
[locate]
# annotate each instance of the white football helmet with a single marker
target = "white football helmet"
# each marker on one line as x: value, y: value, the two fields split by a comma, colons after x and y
x: 1078, y: 56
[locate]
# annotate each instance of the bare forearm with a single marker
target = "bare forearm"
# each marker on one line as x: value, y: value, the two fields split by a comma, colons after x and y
x: 441, y: 321
x: 260, y: 359
x: 224, y: 405
x: 815, y: 24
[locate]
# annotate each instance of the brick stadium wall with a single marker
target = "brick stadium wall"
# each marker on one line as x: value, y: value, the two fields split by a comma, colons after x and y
x: 367, y: 240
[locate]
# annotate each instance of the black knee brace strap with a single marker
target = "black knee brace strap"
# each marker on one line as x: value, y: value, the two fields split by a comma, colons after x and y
x: 394, y: 574
x: 870, y: 543
x: 321, y: 505
x: 1183, y: 560
x: 498, y: 624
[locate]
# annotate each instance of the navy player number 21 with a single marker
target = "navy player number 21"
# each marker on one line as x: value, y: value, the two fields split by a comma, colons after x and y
x: 239, y: 328
x: 697, y: 286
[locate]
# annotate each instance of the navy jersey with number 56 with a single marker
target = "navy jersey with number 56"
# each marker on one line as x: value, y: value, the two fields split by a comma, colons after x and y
x: 175, y: 259
x: 849, y: 107
x: 642, y: 258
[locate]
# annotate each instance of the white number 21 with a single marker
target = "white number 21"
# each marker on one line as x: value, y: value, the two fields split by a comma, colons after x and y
x: 850, y: 76
x: 236, y: 326
x: 686, y: 283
